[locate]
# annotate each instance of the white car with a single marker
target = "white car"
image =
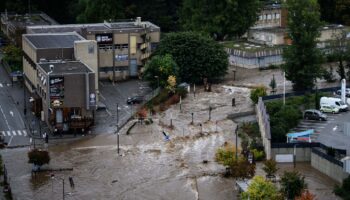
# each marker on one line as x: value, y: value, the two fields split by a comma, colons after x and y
x: 329, y: 109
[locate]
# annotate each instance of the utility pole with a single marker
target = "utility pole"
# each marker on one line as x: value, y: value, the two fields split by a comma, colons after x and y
x: 236, y: 131
x: 113, y: 47
x: 118, y: 127
x: 210, y: 108
x: 63, y: 188
x: 192, y: 118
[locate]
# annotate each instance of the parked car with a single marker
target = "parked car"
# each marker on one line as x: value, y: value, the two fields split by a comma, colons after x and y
x: 313, y: 114
x: 329, y: 109
x: 347, y: 92
x: 134, y: 100
x: 336, y: 102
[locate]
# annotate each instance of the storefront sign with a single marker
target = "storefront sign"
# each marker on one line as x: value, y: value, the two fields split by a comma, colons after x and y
x: 56, y: 91
x: 104, y: 38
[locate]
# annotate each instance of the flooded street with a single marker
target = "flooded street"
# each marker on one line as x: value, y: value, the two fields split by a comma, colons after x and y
x: 149, y: 167
x: 162, y: 170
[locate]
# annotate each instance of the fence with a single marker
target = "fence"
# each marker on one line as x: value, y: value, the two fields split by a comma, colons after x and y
x: 292, y: 94
x: 264, y: 126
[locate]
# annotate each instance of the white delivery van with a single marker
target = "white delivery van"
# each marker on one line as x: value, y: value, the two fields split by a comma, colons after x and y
x: 331, y: 101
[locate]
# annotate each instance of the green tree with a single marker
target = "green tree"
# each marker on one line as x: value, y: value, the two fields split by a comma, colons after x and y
x: 342, y: 11
x: 273, y: 84
x: 270, y: 167
x: 99, y: 10
x: 159, y: 68
x: 260, y: 189
x: 257, y: 92
x: 13, y: 56
x: 38, y: 157
x: 302, y: 58
x: 343, y: 190
x: 220, y: 19
x: 199, y: 58
x: 292, y: 184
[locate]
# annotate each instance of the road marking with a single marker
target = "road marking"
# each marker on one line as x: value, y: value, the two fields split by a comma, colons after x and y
x: 102, y: 97
x: 7, y: 123
x: 8, y: 144
x: 11, y: 113
x: 110, y: 114
x: 19, y: 132
x: 335, y: 128
x: 8, y: 133
x: 1, y: 85
x: 14, y: 133
x: 25, y: 133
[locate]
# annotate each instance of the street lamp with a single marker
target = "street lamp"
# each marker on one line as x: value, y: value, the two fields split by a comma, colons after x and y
x: 157, y: 77
x: 62, y: 179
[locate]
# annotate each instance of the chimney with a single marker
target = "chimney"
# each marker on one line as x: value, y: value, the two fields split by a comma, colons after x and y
x: 138, y: 21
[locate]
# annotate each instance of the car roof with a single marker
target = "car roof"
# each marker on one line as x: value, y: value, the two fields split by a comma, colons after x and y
x: 312, y: 110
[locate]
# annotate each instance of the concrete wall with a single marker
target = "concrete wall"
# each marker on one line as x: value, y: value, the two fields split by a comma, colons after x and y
x: 330, y: 169
x: 88, y: 57
x: 30, y: 74
x: 264, y: 131
x: 302, y: 154
x: 55, y: 54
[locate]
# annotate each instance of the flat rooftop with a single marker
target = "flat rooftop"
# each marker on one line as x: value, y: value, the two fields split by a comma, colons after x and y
x: 61, y: 68
x: 53, y: 40
x: 21, y: 21
x: 97, y: 27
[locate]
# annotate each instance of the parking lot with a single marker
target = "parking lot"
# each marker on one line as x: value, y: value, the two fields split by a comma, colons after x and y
x: 334, y: 132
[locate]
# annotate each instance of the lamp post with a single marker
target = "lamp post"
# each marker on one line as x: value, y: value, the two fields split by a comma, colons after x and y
x: 118, y: 128
x: 192, y: 118
x: 236, y: 131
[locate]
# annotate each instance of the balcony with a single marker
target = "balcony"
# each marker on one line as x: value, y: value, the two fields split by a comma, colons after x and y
x: 144, y: 46
x: 145, y: 55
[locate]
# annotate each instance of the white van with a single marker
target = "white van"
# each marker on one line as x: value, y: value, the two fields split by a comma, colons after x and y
x: 331, y: 101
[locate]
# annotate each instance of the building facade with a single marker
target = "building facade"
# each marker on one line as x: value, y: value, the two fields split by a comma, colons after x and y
x: 123, y: 47
x: 67, y: 90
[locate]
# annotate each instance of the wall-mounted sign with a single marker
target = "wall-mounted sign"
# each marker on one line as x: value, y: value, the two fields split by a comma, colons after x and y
x: 56, y: 91
x: 121, y: 57
x: 104, y: 38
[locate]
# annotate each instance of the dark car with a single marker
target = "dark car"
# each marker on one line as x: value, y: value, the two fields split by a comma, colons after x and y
x: 134, y: 100
x: 347, y: 92
x: 315, y: 115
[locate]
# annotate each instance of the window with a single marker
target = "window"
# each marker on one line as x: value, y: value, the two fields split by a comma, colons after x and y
x: 133, y: 44
x: 277, y: 16
x: 91, y: 49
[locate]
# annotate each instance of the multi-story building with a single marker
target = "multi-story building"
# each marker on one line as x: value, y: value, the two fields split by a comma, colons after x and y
x: 123, y: 47
x: 70, y: 59
x: 67, y: 90
x: 14, y: 25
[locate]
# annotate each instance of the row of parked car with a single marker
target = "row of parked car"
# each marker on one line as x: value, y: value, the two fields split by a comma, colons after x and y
x: 327, y: 105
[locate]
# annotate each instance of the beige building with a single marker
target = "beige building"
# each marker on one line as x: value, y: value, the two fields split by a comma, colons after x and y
x: 123, y: 47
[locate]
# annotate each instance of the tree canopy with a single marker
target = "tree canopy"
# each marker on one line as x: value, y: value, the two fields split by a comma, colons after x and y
x: 197, y: 56
x: 302, y: 58
x: 220, y: 19
x: 159, y: 68
x: 261, y: 189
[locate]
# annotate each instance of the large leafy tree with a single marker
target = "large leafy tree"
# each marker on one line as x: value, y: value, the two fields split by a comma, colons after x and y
x: 159, y: 68
x: 302, y: 58
x: 292, y: 184
x: 197, y: 56
x: 99, y: 10
x: 259, y: 188
x: 220, y: 19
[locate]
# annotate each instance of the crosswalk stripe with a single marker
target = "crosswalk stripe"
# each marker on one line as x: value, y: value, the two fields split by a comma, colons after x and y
x: 19, y: 132
x: 8, y: 133
x: 24, y: 132
x: 14, y: 133
x: 1, y: 85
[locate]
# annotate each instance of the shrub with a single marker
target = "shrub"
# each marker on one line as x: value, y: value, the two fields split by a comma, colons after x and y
x: 343, y: 190
x: 270, y: 167
x: 256, y: 93
x: 292, y: 184
x: 38, y: 157
x: 251, y: 129
x: 225, y: 155
x: 258, y: 155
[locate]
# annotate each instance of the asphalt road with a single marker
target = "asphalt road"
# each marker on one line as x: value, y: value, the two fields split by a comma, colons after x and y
x: 335, y: 132
x: 12, y: 125
x: 117, y: 94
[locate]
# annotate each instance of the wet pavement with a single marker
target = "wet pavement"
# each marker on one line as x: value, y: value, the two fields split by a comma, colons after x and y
x: 148, y: 167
